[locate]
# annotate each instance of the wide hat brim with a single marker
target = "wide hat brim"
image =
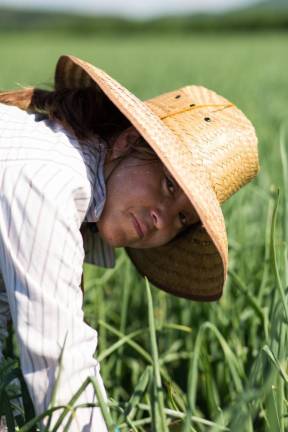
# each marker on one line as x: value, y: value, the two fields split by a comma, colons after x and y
x: 193, y: 265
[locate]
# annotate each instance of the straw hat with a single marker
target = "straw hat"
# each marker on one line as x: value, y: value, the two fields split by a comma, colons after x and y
x: 210, y: 148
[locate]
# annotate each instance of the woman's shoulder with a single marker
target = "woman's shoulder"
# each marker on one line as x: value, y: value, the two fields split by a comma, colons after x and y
x: 11, y: 112
x: 25, y: 141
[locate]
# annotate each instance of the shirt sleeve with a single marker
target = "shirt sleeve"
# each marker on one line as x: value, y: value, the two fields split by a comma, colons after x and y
x: 41, y: 258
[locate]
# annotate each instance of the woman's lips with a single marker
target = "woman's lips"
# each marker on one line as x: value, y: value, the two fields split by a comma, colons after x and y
x: 140, y: 229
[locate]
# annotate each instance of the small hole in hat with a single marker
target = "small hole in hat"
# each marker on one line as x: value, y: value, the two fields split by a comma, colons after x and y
x: 207, y: 119
x: 177, y: 96
x: 191, y: 105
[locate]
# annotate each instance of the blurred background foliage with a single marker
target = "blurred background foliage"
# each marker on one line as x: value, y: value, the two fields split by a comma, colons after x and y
x: 265, y: 15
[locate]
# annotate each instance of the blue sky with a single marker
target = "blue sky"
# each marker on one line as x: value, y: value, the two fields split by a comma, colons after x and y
x: 136, y: 8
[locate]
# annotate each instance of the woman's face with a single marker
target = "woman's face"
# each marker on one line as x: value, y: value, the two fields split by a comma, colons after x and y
x: 144, y: 206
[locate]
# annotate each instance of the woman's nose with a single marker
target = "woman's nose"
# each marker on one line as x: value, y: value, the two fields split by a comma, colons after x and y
x: 162, y: 217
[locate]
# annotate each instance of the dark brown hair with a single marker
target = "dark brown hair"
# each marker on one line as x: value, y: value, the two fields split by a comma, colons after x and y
x: 85, y: 112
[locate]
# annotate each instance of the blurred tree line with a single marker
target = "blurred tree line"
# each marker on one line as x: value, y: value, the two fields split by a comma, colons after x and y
x: 265, y: 15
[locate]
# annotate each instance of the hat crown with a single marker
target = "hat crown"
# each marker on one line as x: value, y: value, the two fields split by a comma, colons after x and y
x: 221, y: 140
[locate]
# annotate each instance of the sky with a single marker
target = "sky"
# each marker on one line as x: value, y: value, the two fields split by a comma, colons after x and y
x: 132, y: 8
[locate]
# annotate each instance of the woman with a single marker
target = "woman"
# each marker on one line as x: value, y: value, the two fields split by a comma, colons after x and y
x: 88, y: 168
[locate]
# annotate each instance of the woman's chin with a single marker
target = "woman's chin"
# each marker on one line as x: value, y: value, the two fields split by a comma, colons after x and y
x: 115, y: 240
x: 119, y: 239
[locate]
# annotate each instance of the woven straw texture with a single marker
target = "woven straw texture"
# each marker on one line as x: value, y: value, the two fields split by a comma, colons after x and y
x: 210, y: 148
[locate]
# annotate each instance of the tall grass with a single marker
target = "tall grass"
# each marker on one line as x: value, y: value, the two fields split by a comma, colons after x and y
x: 170, y: 364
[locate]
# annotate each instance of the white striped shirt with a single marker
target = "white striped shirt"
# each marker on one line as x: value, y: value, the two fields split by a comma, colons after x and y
x: 49, y: 185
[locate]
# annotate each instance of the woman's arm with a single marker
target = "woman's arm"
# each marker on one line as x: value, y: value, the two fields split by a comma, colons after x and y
x: 41, y: 257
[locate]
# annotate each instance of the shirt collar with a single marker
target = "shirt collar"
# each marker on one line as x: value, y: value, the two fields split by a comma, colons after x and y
x: 97, y: 251
x: 94, y: 152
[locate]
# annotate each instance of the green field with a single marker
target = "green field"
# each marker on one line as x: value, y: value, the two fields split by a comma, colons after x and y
x: 225, y: 362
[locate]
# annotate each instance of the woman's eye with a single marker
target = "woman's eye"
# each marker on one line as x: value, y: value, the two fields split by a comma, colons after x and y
x: 183, y: 219
x: 170, y: 184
